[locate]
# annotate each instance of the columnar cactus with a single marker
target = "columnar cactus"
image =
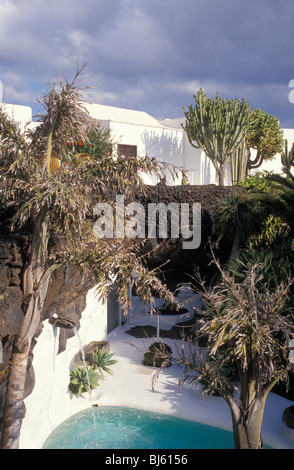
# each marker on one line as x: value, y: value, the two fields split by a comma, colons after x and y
x: 287, y: 159
x: 239, y: 163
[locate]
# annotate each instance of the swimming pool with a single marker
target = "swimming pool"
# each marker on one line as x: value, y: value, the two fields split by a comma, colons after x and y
x: 127, y: 428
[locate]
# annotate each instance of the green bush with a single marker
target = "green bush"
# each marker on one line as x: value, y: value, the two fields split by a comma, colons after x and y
x: 158, y: 354
x: 101, y: 360
x: 81, y: 378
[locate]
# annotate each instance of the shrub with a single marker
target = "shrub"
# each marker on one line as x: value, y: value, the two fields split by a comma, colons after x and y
x: 101, y: 360
x: 82, y: 380
x: 158, y: 354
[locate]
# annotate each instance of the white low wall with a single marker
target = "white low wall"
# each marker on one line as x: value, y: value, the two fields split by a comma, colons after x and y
x: 50, y: 402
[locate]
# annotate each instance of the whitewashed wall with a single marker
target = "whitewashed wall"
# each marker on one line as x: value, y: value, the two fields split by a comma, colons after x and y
x: 21, y: 115
x: 195, y: 161
x: 165, y: 140
x: 166, y: 145
x: 275, y: 165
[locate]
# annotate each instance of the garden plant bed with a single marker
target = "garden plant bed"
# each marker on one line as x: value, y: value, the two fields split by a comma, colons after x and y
x: 149, y: 331
x: 168, y: 311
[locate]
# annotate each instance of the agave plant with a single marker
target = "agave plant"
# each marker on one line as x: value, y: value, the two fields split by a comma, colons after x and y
x: 272, y: 264
x: 101, y: 360
x: 82, y: 380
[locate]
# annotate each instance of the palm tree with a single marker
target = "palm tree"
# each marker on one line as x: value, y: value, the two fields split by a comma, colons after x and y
x: 237, y: 216
x: 61, y: 202
x: 281, y: 200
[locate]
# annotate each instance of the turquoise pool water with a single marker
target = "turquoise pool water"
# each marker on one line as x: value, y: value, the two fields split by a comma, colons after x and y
x: 127, y: 428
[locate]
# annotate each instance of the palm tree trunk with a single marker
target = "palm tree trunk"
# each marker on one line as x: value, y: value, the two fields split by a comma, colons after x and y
x: 239, y: 430
x: 246, y: 426
x: 236, y: 244
x: 247, y: 416
x: 14, y: 409
x: 35, y: 285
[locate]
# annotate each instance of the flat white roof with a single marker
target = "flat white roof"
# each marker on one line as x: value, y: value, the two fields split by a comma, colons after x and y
x: 173, y: 123
x: 127, y: 116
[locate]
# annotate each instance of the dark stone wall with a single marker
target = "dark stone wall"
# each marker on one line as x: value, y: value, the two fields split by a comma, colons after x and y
x: 206, y: 195
x: 11, y: 264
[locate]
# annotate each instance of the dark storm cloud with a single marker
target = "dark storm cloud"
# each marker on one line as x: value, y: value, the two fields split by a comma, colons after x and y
x: 152, y: 55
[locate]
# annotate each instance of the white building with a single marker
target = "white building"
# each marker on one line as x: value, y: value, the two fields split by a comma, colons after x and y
x: 275, y: 165
x: 21, y: 115
x: 136, y: 133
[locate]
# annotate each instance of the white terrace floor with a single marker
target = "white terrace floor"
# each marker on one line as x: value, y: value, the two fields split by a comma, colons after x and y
x: 131, y: 386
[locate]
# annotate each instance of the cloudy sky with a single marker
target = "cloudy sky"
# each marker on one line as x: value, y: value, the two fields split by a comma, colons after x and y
x: 152, y: 55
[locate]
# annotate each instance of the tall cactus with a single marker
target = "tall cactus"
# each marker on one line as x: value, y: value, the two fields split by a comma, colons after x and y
x: 287, y: 159
x: 239, y: 163
x: 218, y: 127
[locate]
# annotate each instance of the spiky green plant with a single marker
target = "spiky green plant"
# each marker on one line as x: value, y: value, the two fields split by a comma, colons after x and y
x: 101, y: 360
x: 238, y: 216
x: 82, y: 379
x: 273, y: 264
x: 281, y: 199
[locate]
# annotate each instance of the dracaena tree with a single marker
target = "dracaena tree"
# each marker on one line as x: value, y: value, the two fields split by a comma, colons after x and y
x: 218, y: 127
x: 251, y: 325
x: 60, y: 202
